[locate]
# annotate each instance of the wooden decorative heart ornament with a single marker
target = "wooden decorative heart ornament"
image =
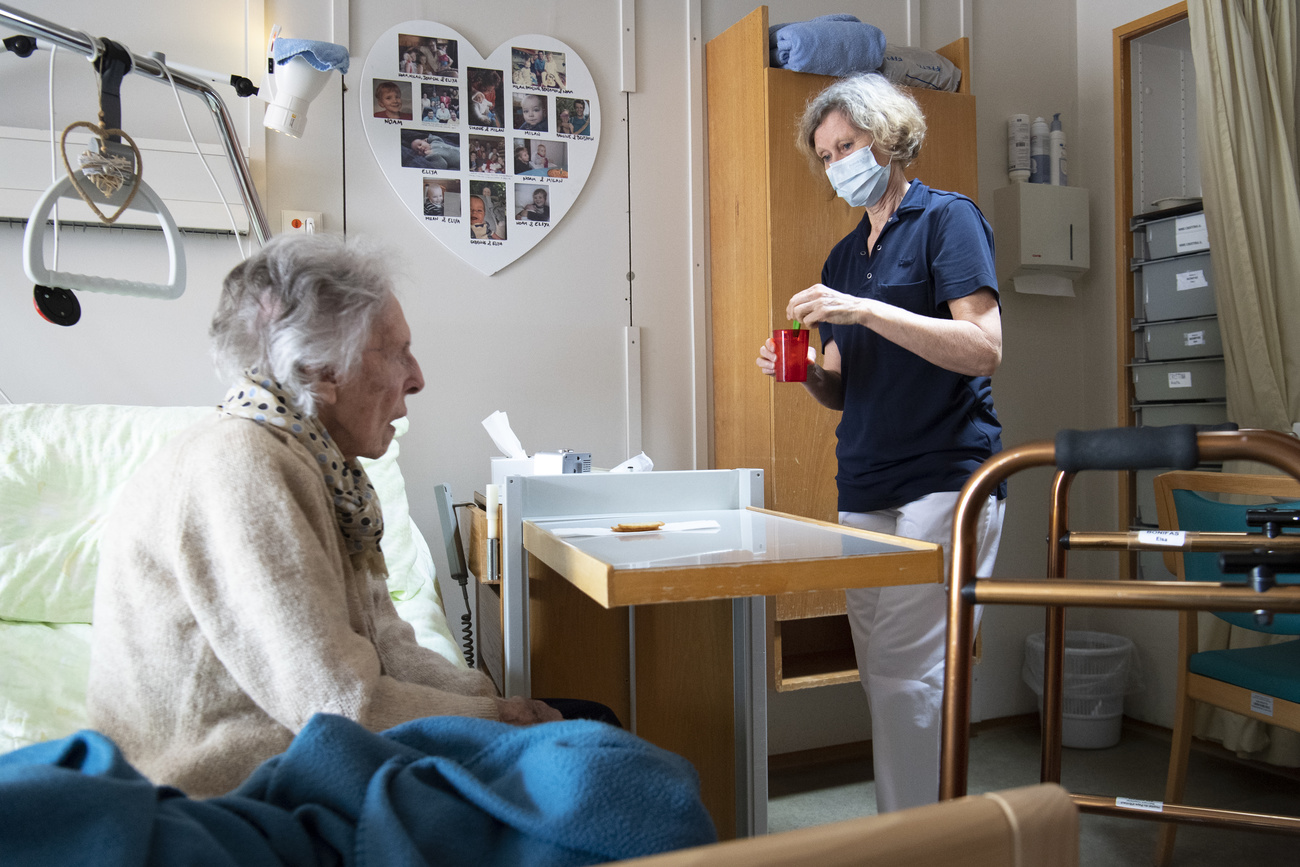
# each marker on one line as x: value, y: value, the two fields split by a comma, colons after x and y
x: 133, y: 173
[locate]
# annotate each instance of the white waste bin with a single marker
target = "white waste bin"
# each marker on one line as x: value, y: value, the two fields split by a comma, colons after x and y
x: 1098, y: 670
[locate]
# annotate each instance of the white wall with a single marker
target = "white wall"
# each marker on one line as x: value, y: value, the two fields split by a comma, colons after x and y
x: 550, y: 353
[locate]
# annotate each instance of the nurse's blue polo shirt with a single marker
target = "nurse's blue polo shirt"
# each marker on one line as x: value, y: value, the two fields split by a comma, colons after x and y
x: 909, y: 427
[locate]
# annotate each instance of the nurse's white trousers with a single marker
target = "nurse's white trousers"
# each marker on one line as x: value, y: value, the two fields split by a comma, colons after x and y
x: 899, y: 636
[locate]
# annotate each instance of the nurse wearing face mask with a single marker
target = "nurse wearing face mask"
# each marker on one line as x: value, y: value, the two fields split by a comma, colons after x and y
x: 908, y: 312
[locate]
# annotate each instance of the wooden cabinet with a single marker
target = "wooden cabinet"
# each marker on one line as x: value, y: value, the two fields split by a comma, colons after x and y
x: 772, y: 221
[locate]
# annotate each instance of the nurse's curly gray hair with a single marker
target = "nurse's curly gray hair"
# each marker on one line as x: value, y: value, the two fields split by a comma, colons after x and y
x: 301, y: 308
x: 873, y: 104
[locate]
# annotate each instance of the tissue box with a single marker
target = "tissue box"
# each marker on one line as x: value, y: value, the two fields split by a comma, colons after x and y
x: 502, y: 467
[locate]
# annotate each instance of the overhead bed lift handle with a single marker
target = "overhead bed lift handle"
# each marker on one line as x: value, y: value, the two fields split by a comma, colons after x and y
x: 77, y: 41
x: 145, y: 200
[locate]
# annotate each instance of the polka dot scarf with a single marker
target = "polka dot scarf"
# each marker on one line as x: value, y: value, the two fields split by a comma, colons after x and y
x: 356, y: 506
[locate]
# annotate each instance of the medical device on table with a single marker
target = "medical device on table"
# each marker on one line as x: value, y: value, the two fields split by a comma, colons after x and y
x: 456, y: 564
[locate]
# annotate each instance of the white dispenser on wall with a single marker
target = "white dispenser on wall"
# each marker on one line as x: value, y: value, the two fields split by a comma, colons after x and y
x: 1040, y: 232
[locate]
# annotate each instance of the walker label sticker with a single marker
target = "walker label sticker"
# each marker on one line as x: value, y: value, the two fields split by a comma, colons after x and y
x: 1167, y: 538
x: 1180, y: 379
x: 488, y: 153
x: 1190, y: 233
x: 1146, y: 806
x: 1261, y: 704
x: 1191, y: 280
x: 1194, y: 338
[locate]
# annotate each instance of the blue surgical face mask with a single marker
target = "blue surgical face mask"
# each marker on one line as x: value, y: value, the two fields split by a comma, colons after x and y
x: 858, y: 178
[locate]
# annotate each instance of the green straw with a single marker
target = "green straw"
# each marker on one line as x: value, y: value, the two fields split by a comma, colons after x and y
x: 797, y: 326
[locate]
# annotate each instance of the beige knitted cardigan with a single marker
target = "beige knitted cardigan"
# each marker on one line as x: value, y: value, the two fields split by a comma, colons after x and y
x: 227, y: 613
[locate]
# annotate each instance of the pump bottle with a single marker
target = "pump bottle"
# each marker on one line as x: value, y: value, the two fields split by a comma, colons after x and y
x: 1039, y: 171
x: 1056, y: 153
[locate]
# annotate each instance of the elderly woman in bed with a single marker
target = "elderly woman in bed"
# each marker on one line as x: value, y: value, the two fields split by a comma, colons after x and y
x: 908, y: 312
x: 241, y: 585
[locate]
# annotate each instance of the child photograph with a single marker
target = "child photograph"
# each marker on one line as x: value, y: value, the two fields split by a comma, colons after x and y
x: 553, y: 75
x: 534, y: 203
x: 393, y: 99
x: 425, y: 55
x: 430, y: 150
x: 487, y: 211
x: 440, y: 103
x: 530, y: 113
x: 487, y: 154
x: 484, y: 94
x: 441, y: 197
x: 545, y: 159
x: 574, y: 116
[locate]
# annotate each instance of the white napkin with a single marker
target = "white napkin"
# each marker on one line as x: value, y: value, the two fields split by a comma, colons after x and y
x: 498, y: 427
x: 639, y: 464
x: 671, y: 527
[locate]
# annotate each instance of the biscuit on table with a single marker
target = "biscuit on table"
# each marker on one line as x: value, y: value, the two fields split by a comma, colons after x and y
x: 641, y: 527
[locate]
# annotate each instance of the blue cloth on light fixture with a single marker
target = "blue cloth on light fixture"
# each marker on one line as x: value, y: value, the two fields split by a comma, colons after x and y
x: 836, y: 45
x: 322, y: 55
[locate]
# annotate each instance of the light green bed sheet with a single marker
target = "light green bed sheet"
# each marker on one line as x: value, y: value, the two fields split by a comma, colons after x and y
x: 58, y: 481
x: 42, y: 681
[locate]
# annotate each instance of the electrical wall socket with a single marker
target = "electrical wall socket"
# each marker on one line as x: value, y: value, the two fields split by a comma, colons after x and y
x: 300, y: 222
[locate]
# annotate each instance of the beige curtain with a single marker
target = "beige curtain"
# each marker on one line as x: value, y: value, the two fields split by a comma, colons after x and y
x: 1245, y: 54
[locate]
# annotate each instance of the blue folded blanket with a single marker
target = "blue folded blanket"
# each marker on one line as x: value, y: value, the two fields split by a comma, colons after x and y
x: 440, y: 790
x: 322, y: 55
x: 836, y: 45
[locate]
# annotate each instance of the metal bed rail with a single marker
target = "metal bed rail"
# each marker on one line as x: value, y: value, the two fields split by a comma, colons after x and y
x: 1119, y: 449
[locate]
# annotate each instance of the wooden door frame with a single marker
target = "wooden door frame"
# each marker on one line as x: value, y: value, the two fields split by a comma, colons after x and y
x: 1123, y: 36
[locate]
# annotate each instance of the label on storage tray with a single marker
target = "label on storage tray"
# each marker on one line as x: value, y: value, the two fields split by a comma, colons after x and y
x: 1180, y: 379
x: 1261, y: 704
x: 1194, y: 338
x: 1135, y: 804
x: 1191, y: 280
x: 1168, y: 538
x: 1190, y: 233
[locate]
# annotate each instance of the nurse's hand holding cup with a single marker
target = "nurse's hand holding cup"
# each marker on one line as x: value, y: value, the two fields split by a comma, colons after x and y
x: 786, y: 354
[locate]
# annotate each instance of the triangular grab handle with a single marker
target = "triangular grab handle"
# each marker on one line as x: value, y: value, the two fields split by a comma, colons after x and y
x: 145, y: 200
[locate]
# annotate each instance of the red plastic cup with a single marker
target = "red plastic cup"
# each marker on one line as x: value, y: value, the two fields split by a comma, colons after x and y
x: 791, y: 354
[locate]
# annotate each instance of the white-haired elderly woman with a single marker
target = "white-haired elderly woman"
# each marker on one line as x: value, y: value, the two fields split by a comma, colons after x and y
x: 908, y: 313
x: 241, y: 584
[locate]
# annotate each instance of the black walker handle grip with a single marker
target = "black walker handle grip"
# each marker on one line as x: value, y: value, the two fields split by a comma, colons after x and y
x: 1127, y: 448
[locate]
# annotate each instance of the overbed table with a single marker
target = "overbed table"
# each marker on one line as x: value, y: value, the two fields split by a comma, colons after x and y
x: 690, y: 676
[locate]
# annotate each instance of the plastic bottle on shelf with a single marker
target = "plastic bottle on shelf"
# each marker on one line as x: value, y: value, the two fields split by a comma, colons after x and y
x: 1039, y: 171
x: 1056, y: 153
x: 1018, y: 148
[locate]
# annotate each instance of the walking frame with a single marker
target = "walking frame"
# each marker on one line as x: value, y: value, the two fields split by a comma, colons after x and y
x: 1179, y: 447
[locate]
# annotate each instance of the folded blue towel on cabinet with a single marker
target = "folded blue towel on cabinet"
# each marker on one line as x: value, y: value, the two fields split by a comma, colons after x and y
x: 836, y: 45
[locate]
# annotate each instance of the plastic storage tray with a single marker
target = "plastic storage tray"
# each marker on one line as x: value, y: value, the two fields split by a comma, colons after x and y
x: 1189, y: 379
x: 1160, y: 239
x: 1187, y: 338
x: 1209, y: 413
x: 1178, y: 288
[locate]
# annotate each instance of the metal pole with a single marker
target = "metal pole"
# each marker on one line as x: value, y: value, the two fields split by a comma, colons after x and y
x: 75, y: 40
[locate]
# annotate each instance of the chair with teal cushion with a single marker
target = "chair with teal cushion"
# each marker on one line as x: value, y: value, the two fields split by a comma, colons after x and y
x: 1259, y: 682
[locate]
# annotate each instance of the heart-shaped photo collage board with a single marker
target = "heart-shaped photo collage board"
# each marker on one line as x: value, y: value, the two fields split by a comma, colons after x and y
x: 489, y: 154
